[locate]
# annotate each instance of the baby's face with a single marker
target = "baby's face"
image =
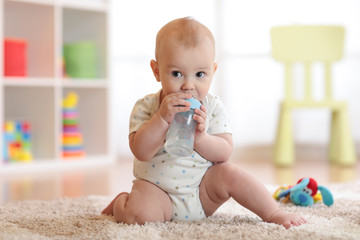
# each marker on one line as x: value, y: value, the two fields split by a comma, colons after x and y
x: 187, y: 69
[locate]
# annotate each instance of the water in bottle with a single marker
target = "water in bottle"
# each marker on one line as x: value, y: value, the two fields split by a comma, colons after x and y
x: 180, y: 136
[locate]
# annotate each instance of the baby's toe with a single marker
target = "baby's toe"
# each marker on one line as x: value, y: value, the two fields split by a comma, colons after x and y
x: 287, y: 225
x: 298, y: 221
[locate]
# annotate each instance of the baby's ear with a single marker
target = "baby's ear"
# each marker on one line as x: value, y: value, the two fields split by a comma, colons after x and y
x: 155, y: 68
x: 215, y: 66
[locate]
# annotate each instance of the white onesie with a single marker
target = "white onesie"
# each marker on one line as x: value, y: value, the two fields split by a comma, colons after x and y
x: 180, y: 177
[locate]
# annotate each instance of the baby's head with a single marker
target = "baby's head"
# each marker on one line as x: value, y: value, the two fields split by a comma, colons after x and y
x: 185, y: 57
x: 185, y: 31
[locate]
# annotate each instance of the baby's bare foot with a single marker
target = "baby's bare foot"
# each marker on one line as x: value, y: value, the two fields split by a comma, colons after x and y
x: 286, y: 219
x: 109, y: 209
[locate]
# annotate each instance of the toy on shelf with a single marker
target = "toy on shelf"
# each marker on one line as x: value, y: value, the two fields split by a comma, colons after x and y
x: 17, y: 141
x: 80, y: 59
x: 304, y: 193
x: 15, y: 57
x: 72, y: 138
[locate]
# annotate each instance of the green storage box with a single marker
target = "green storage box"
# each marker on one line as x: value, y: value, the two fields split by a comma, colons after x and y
x: 81, y: 59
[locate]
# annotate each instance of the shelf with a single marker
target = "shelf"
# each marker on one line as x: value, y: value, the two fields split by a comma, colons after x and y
x: 44, y: 2
x: 35, y: 105
x: 28, y: 82
x: 90, y: 5
x: 93, y: 5
x: 85, y: 83
x: 82, y: 25
x: 93, y: 120
x: 51, y: 82
x: 46, y: 26
x: 49, y: 165
x: 19, y: 22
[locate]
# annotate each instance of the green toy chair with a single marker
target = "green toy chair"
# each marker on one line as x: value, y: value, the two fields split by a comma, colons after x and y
x: 309, y: 44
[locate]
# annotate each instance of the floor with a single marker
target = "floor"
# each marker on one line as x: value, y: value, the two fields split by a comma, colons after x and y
x: 110, y: 180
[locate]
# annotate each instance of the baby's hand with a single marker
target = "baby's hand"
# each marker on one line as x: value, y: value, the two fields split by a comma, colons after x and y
x: 200, y: 117
x: 172, y: 104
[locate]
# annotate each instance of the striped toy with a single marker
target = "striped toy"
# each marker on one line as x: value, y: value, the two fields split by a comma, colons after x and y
x: 72, y: 140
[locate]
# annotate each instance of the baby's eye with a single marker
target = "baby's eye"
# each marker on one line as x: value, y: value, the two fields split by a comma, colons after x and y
x: 176, y: 74
x: 200, y: 74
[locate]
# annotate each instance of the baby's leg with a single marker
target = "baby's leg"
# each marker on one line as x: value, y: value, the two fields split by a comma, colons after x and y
x: 145, y: 203
x: 225, y: 180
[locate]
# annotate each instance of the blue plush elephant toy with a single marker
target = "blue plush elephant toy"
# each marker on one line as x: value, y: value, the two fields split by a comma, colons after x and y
x: 304, y: 192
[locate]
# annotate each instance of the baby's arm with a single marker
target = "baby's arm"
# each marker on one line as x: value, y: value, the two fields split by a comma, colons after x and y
x: 214, y: 148
x: 147, y: 140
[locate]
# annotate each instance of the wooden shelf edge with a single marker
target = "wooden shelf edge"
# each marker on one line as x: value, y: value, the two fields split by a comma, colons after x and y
x: 56, y: 165
x: 42, y: 2
x: 85, y: 83
x: 28, y: 82
x: 87, y: 5
x: 90, y: 5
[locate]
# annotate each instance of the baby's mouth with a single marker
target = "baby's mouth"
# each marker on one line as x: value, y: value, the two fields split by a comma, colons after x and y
x: 192, y: 95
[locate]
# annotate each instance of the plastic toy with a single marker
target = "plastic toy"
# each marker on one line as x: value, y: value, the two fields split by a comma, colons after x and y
x: 72, y: 139
x: 80, y: 59
x: 304, y: 193
x: 17, y: 141
x: 15, y: 57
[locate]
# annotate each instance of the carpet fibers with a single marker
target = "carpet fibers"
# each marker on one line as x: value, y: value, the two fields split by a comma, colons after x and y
x: 80, y: 218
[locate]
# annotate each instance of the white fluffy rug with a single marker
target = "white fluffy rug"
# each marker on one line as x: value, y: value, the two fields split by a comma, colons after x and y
x: 80, y: 219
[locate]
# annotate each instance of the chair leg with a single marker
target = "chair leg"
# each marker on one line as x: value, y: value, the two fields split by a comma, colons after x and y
x: 334, y: 137
x: 284, y: 146
x: 342, y: 149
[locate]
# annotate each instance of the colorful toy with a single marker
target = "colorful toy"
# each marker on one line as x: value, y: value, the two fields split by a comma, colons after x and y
x: 80, y: 59
x: 304, y: 193
x: 72, y: 138
x: 17, y: 141
x: 15, y: 57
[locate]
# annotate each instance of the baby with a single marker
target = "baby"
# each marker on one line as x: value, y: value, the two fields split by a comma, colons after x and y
x: 187, y: 188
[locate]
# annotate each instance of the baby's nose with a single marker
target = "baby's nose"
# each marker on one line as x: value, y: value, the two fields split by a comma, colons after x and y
x: 188, y: 84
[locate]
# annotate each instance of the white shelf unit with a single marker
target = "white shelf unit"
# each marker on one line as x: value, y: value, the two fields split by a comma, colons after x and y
x: 47, y: 25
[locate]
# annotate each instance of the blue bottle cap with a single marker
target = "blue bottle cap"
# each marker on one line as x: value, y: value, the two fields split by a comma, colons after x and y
x: 194, y: 103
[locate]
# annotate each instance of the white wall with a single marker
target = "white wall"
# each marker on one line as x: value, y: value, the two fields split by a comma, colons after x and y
x: 248, y: 80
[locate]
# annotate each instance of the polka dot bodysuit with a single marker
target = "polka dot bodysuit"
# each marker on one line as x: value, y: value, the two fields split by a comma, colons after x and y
x: 180, y: 177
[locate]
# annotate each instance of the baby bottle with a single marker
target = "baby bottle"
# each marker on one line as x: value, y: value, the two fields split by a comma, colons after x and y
x: 180, y: 136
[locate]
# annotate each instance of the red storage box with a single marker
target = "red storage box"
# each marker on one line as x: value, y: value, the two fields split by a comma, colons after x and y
x: 15, y: 59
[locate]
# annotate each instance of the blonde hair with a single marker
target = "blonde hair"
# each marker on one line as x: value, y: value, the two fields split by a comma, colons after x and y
x: 186, y: 31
